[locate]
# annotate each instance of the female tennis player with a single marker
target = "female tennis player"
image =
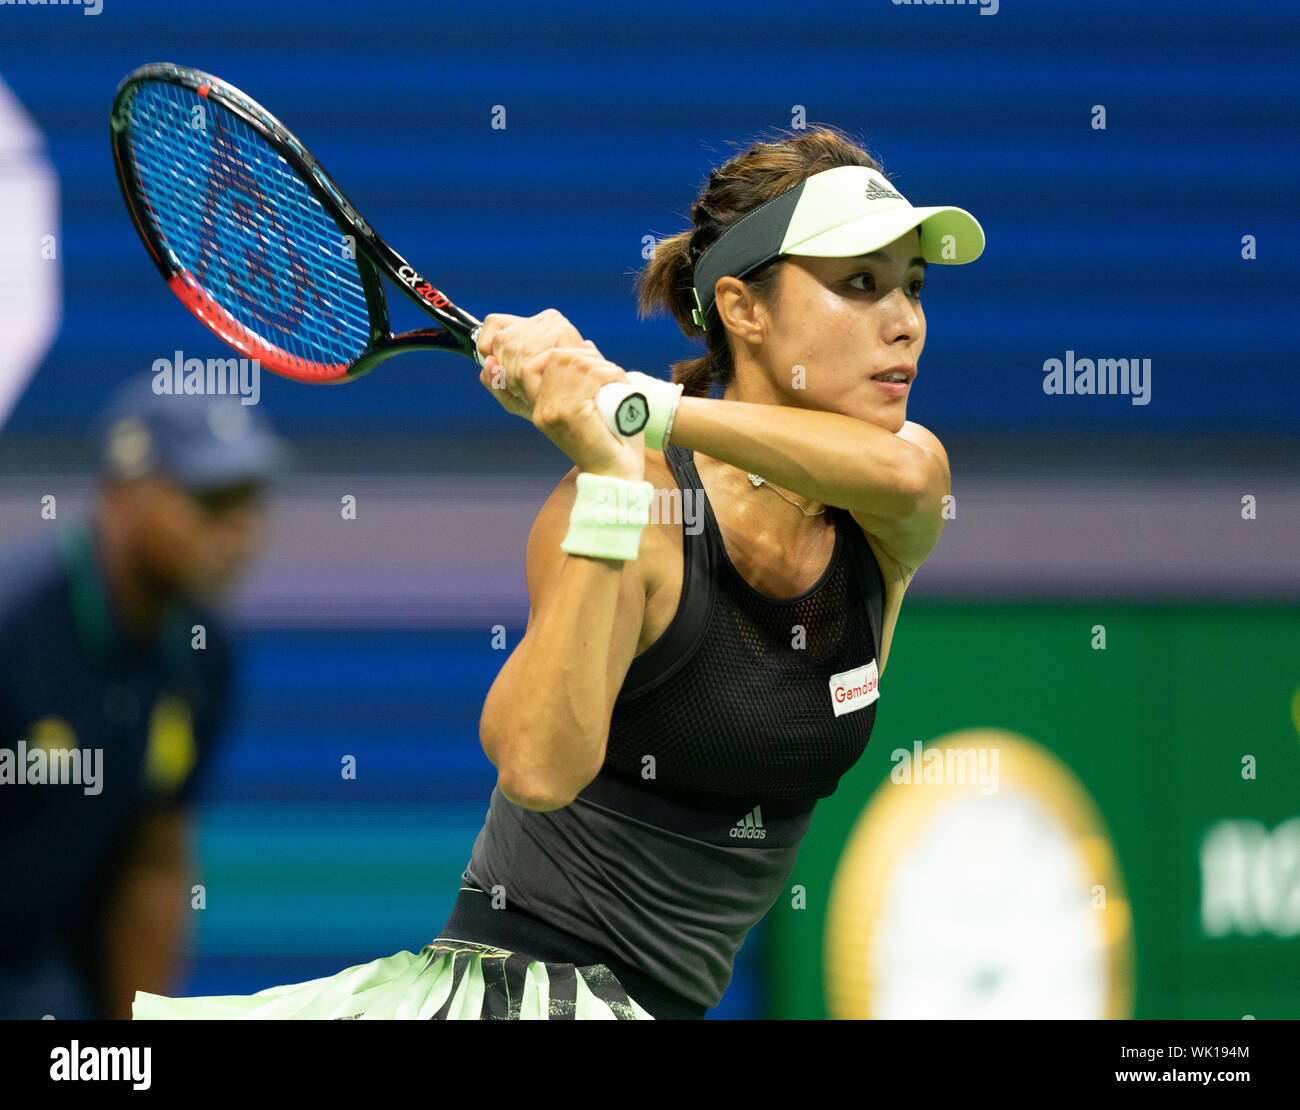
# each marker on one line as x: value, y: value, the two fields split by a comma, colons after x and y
x: 687, y: 689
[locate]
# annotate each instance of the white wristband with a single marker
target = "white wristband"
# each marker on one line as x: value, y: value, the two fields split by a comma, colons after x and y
x: 663, y: 398
x: 608, y: 516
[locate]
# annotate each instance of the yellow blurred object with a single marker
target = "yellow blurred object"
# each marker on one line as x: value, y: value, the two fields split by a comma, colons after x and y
x: 964, y: 896
x: 171, y: 753
x: 52, y: 733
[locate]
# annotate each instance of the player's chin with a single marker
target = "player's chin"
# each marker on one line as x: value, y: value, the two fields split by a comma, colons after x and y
x: 889, y: 413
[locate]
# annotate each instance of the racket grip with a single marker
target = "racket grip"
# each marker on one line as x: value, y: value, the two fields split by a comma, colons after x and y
x: 624, y: 407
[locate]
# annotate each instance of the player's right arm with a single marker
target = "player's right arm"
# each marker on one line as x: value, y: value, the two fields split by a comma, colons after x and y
x: 545, y: 721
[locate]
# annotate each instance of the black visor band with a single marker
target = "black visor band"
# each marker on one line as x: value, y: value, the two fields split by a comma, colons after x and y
x: 750, y: 243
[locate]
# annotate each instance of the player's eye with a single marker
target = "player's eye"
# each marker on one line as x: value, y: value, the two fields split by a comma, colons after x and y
x: 916, y: 286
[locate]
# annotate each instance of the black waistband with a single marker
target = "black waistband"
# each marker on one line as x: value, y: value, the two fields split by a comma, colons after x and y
x: 473, y: 918
x: 771, y: 824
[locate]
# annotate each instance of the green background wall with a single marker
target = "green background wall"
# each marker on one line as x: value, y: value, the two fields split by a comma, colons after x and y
x: 1155, y: 728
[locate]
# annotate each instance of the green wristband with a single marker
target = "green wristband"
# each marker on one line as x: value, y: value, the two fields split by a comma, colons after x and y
x: 608, y: 516
x: 662, y: 397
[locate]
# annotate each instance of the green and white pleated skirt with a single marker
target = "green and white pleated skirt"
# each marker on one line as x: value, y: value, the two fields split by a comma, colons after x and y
x: 449, y: 979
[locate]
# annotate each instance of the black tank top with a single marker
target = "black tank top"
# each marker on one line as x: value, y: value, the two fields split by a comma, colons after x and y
x: 751, y: 709
x: 750, y: 697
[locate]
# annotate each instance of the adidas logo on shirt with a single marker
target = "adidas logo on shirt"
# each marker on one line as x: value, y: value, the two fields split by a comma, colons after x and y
x: 876, y: 191
x: 750, y: 827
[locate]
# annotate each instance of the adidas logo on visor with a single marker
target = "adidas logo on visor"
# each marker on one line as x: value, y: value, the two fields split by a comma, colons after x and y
x: 876, y: 191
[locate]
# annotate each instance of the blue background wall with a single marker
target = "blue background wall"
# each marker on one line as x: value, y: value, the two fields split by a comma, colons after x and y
x: 1117, y: 243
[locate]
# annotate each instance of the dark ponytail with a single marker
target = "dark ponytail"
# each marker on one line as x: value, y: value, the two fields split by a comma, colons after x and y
x: 763, y: 172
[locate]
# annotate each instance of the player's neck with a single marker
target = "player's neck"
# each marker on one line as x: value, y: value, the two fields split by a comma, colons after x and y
x: 754, y: 510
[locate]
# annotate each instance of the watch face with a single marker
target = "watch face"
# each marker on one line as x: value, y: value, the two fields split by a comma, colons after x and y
x: 631, y: 415
x: 966, y: 899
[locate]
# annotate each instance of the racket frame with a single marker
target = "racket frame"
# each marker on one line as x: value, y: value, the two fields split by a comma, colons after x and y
x: 373, y: 255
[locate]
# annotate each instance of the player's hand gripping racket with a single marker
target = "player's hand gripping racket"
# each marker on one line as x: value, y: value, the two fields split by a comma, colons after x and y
x: 257, y: 241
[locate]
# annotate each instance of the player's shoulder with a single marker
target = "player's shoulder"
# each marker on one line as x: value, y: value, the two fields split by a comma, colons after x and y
x: 657, y: 472
x: 552, y: 521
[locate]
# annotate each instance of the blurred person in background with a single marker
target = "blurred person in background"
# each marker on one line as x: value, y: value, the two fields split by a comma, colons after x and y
x: 110, y: 650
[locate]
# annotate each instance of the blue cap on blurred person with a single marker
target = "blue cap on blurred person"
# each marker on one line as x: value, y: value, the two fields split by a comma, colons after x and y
x: 202, y: 442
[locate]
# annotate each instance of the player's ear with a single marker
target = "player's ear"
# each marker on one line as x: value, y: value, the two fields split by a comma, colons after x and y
x: 737, y: 308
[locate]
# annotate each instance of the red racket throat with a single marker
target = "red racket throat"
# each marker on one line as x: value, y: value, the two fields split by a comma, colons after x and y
x: 222, y: 324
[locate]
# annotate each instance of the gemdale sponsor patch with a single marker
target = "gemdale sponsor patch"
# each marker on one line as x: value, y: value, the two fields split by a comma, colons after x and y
x: 855, y: 689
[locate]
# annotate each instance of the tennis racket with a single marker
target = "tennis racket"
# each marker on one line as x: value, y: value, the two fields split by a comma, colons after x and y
x: 259, y: 243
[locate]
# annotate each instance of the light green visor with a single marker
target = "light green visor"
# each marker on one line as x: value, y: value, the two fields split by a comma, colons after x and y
x: 837, y: 213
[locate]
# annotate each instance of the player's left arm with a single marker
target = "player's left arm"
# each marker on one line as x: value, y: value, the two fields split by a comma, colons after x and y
x: 909, y: 539
x: 146, y: 918
x: 892, y: 483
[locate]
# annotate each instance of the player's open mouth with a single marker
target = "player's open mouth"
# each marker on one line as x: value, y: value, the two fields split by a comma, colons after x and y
x: 896, y: 382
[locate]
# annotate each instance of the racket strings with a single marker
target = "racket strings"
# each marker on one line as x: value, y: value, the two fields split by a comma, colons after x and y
x: 231, y: 177
x: 246, y: 230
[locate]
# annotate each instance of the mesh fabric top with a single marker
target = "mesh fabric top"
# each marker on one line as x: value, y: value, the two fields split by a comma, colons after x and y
x: 725, y: 702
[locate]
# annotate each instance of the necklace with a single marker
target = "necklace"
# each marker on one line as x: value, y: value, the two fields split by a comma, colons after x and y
x: 763, y: 481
